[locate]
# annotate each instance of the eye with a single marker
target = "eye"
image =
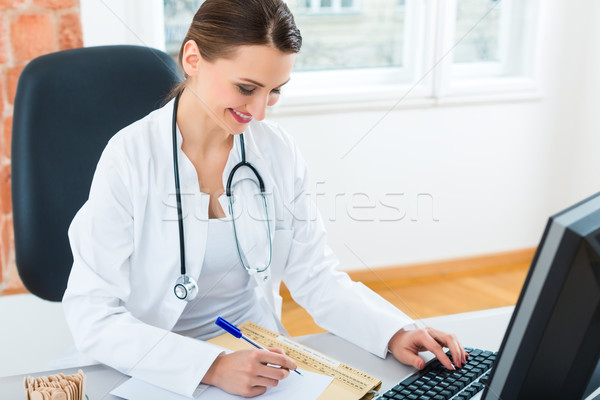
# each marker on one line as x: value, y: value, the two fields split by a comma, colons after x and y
x: 276, y: 91
x: 244, y: 90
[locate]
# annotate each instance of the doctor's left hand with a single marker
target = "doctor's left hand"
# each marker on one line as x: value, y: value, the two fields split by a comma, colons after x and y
x: 406, y: 345
x: 249, y: 373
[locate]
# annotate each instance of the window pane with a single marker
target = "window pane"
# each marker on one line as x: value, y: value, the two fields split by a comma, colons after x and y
x: 353, y: 37
x: 479, y: 20
x: 178, y: 16
x: 356, y: 37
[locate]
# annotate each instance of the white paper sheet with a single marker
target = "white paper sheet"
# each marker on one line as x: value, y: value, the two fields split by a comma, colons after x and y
x: 135, y: 389
x: 294, y: 387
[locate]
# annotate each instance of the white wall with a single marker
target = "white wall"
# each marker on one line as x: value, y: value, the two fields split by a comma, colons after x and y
x: 122, y: 22
x: 494, y: 171
x: 585, y: 170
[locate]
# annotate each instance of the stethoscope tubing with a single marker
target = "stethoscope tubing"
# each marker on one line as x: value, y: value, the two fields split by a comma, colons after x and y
x: 178, y: 186
x: 184, y: 278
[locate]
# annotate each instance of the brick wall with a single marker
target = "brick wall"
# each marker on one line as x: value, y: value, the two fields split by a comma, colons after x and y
x: 28, y: 29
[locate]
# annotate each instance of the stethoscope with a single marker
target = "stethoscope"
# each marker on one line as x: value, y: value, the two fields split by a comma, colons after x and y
x: 186, y: 287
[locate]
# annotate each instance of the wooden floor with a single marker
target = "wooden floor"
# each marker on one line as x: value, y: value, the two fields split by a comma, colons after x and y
x: 431, y: 290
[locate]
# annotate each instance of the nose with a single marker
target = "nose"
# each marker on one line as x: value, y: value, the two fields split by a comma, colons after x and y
x: 258, y: 107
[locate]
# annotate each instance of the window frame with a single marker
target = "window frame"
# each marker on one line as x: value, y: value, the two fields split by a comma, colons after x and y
x: 335, y: 9
x: 424, y: 81
x: 435, y: 85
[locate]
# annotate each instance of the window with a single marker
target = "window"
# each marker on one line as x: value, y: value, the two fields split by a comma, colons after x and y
x: 368, y: 50
x: 341, y: 35
x: 492, y: 46
x: 337, y: 34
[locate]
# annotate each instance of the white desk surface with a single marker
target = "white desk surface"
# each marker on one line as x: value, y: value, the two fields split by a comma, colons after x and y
x: 481, y: 329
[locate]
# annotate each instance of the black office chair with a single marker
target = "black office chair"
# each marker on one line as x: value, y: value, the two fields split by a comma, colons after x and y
x: 68, y: 105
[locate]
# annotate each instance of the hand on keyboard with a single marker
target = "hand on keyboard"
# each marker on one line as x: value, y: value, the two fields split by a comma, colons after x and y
x: 435, y: 382
x: 406, y: 345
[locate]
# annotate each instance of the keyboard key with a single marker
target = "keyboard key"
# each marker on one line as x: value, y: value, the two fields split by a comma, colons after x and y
x: 477, y: 386
x: 470, y: 391
x: 410, y: 379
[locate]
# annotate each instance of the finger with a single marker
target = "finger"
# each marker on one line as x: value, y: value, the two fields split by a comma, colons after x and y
x: 265, y: 382
x: 407, y: 357
x: 276, y: 350
x: 273, y: 372
x: 269, y: 357
x: 450, y: 341
x: 432, y: 345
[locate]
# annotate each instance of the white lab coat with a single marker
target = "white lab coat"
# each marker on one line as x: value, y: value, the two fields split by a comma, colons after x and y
x: 119, y: 301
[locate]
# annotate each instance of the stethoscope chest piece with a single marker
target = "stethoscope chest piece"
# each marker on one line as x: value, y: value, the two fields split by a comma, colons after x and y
x: 185, y: 288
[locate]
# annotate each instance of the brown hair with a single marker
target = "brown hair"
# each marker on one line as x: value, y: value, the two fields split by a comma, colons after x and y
x: 219, y: 26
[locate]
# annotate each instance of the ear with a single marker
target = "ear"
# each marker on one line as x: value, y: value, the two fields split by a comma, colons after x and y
x: 191, y: 59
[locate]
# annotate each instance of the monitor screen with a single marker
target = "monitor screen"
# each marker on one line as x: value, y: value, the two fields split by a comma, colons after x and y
x: 552, y: 346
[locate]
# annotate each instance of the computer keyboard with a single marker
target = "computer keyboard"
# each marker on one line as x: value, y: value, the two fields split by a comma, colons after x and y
x: 435, y: 382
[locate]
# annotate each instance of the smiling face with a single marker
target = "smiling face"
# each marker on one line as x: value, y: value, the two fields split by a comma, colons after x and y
x: 235, y: 90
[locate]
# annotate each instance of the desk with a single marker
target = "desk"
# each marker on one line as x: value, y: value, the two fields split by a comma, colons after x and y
x: 481, y: 329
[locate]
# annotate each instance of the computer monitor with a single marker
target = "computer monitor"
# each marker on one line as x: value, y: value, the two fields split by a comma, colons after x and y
x: 552, y: 346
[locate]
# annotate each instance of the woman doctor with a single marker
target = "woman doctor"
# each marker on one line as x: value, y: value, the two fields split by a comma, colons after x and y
x: 122, y: 303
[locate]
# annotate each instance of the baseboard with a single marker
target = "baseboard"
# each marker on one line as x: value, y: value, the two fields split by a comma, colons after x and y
x: 383, y: 277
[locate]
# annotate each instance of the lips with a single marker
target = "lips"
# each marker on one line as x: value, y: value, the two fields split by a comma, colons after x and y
x: 239, y: 116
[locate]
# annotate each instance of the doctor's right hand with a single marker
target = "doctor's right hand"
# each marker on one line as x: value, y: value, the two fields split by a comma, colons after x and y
x: 248, y: 373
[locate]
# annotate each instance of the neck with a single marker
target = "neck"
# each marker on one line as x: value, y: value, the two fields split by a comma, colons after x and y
x: 201, y: 134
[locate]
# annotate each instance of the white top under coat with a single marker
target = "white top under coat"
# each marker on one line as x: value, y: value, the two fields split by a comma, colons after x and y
x: 225, y: 289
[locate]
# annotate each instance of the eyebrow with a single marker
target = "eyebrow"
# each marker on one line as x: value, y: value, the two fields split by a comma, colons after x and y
x: 260, y: 84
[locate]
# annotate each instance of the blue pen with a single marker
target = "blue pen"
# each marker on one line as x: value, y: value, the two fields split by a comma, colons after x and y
x: 234, y: 330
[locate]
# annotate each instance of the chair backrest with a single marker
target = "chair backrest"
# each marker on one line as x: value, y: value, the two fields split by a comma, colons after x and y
x: 67, y: 106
